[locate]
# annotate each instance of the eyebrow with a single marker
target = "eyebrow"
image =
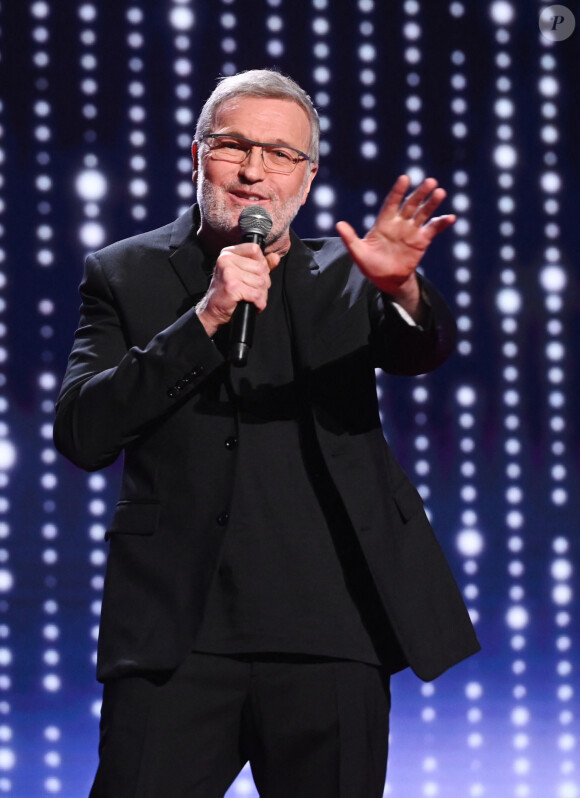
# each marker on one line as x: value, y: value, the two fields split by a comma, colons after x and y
x: 276, y: 142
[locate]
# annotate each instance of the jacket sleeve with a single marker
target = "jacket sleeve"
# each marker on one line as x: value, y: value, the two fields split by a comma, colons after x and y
x: 112, y: 393
x: 407, y: 349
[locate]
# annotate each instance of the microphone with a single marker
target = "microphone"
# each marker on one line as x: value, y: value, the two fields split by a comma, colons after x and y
x: 255, y: 223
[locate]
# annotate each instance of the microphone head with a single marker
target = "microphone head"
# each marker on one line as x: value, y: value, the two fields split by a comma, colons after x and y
x: 255, y: 220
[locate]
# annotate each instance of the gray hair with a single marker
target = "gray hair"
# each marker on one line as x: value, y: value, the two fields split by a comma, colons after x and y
x: 259, y: 83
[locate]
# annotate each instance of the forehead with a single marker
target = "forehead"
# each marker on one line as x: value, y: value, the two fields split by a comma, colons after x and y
x: 264, y: 119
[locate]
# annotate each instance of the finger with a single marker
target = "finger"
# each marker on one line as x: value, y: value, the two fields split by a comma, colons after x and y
x: 352, y: 242
x: 272, y: 259
x: 411, y: 204
x: 245, y: 250
x: 392, y: 203
x: 438, y: 224
x: 346, y: 232
x: 429, y: 206
x: 247, y: 260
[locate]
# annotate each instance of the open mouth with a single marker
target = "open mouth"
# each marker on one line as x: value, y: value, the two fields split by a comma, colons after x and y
x: 251, y: 198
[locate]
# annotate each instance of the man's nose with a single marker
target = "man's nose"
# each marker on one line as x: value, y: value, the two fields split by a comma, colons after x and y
x: 252, y: 167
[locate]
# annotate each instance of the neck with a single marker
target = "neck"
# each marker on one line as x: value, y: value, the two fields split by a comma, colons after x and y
x: 213, y: 242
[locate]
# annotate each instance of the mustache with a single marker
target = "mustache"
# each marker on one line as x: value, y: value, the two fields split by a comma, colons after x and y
x: 240, y: 187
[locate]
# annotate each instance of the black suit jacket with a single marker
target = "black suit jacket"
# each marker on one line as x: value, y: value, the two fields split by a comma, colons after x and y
x: 139, y: 365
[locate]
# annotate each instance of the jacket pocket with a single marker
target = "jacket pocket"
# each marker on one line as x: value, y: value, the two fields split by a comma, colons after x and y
x: 134, y: 518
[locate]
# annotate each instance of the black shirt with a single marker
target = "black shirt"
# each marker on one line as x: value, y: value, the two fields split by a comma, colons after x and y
x: 291, y: 578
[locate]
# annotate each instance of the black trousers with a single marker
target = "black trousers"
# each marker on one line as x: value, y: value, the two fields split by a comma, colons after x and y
x: 310, y: 727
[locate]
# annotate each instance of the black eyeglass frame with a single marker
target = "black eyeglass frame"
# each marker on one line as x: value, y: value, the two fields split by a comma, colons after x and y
x: 262, y: 144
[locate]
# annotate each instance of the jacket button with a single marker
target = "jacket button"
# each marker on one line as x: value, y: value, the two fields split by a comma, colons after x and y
x: 231, y: 443
x: 223, y: 518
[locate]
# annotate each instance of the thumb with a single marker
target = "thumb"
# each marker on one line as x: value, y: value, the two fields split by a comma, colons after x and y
x: 351, y: 240
x: 273, y: 259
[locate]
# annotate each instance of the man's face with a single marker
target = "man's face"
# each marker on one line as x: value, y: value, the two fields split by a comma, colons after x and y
x: 224, y: 189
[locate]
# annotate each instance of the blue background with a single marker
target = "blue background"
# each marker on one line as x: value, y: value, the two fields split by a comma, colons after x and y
x: 97, y: 110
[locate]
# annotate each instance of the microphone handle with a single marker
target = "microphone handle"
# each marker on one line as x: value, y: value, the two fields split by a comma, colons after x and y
x: 244, y: 319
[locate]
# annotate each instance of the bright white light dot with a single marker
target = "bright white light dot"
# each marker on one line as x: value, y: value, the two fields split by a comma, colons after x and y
x: 87, y: 12
x: 466, y: 396
x: 6, y: 580
x: 413, y: 55
x: 502, y: 12
x: 97, y: 507
x: 97, y: 482
x: 325, y: 220
x: 559, y: 496
x: 474, y: 690
x: 568, y: 790
x: 520, y: 716
x: 91, y: 185
x: 97, y: 558
x: 462, y: 250
x: 320, y: 26
x: 549, y: 87
x: 551, y: 182
x: 7, y: 759
x: 276, y: 49
x: 47, y: 381
x: 369, y: 149
x: 475, y: 740
x: 51, y: 682
x: 562, y: 595
x: 555, y: 350
x: 505, y: 156
x: 508, y: 300
x: 52, y: 733
x: 92, y: 234
x: 460, y: 203
x: 52, y: 759
x: 517, y: 617
x: 470, y: 542
x: 565, y: 692
x: 324, y: 196
x: 367, y: 52
x: 420, y: 394
x: 138, y: 187
x: 7, y: 455
x: 553, y: 278
x: 274, y: 23
x: 51, y: 632
x: 182, y: 18
x: 550, y: 134
x: 40, y: 10
x: 97, y: 532
x: 48, y: 481
x: 566, y: 742
x: 368, y: 125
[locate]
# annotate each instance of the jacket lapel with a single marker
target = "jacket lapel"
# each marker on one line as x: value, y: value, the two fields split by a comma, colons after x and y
x: 300, y: 282
x: 186, y: 257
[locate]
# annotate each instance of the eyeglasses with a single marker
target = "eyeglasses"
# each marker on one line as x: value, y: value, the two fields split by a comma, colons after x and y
x: 236, y: 149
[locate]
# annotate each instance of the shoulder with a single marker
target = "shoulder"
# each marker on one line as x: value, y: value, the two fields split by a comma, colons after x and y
x: 326, y: 250
x: 160, y: 240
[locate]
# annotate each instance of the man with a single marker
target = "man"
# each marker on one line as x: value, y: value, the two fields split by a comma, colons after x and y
x: 270, y: 564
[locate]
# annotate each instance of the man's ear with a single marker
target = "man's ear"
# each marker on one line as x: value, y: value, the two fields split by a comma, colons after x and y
x: 312, y: 175
x: 195, y: 159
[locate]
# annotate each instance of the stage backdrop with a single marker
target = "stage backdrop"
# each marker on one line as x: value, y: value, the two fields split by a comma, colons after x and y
x: 98, y: 101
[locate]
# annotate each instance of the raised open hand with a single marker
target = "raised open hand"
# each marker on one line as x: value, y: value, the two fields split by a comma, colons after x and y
x: 390, y: 252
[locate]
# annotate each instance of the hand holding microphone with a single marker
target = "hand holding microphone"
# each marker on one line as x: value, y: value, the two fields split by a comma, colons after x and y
x: 255, y: 224
x: 241, y: 278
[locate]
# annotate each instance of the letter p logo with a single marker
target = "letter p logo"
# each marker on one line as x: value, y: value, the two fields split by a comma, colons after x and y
x: 557, y: 23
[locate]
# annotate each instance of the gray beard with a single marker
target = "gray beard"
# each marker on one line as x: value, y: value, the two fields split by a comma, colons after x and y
x: 214, y: 210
